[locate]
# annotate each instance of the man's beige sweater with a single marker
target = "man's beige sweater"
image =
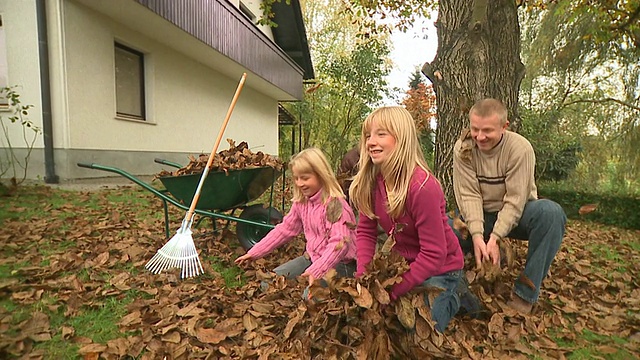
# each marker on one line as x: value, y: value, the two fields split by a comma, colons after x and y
x: 500, y: 180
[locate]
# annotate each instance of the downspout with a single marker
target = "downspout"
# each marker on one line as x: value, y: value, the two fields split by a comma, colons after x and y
x: 50, y: 176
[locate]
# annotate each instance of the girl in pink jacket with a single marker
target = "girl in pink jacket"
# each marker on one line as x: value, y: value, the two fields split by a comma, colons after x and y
x: 320, y: 211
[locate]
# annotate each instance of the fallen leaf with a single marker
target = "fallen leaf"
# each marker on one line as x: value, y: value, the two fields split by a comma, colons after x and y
x: 585, y: 209
x: 334, y: 210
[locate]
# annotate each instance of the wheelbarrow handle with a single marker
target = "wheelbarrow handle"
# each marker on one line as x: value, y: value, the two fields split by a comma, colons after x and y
x: 87, y: 165
x: 167, y: 162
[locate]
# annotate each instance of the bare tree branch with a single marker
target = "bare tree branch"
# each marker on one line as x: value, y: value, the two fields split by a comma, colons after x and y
x: 632, y: 18
x: 603, y: 100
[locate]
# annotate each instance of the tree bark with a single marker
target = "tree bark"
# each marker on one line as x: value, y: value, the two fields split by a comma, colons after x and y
x: 478, y: 56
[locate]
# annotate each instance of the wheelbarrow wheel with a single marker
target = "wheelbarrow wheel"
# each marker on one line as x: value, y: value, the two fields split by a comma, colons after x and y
x: 249, y: 235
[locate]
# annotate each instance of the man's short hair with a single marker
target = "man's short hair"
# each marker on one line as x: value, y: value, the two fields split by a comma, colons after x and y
x: 487, y: 107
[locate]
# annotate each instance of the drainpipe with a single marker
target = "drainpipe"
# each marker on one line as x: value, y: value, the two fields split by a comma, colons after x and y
x: 50, y: 176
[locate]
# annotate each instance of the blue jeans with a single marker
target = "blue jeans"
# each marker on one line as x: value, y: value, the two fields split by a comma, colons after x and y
x: 542, y: 224
x: 447, y: 303
x: 296, y: 267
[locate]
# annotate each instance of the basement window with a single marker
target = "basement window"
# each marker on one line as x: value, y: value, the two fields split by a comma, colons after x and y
x: 129, y: 72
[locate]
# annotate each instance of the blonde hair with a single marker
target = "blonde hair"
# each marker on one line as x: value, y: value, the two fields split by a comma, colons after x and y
x: 312, y: 160
x: 399, y: 167
x: 487, y: 107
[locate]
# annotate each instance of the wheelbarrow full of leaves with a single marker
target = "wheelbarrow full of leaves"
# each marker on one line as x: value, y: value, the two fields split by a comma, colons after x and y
x: 223, y: 193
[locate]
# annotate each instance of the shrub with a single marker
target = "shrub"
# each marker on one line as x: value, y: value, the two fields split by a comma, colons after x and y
x: 612, y: 209
x: 13, y: 167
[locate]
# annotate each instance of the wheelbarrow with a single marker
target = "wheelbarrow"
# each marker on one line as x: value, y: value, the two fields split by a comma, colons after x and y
x: 222, y: 191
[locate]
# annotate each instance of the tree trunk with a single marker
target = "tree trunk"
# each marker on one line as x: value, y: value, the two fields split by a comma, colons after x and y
x: 478, y: 57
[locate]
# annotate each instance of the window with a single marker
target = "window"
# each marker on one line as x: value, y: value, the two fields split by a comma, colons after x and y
x: 130, y: 101
x: 4, y: 67
x: 245, y: 10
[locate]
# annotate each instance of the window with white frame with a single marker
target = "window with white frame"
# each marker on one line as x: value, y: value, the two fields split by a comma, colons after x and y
x: 4, y: 66
x: 129, y: 69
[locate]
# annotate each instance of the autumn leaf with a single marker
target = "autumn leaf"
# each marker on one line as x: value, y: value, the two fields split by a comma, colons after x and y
x: 585, y: 209
x: 210, y: 336
x: 334, y: 210
x: 380, y: 294
x: 406, y: 313
x: 363, y: 297
x: 249, y: 322
x: 92, y: 349
x: 388, y: 245
x: 526, y: 281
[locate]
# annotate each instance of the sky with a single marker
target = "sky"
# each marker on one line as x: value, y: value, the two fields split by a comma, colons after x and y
x: 410, y: 51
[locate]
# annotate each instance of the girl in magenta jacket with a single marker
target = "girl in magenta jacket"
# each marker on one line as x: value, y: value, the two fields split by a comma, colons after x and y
x: 395, y: 189
x: 329, y: 235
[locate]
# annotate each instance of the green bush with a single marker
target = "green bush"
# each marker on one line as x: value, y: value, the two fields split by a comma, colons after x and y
x: 612, y: 209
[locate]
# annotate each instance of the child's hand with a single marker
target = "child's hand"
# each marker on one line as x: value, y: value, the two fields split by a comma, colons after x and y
x: 244, y: 259
x: 311, y: 279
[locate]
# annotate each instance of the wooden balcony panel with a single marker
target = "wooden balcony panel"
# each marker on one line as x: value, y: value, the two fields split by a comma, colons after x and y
x: 224, y: 28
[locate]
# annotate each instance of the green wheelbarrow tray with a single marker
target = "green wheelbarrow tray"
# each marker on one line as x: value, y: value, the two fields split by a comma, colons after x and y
x: 222, y: 190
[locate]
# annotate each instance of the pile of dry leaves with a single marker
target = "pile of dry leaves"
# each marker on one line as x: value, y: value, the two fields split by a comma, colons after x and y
x: 201, y: 318
x: 236, y: 157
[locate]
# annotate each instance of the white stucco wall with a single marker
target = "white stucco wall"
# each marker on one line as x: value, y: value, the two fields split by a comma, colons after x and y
x: 19, y: 23
x: 186, y: 101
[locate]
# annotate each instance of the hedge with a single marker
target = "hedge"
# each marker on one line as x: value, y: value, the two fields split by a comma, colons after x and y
x: 617, y: 210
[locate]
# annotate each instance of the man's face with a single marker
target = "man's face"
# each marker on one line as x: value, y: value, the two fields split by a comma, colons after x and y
x: 487, y: 131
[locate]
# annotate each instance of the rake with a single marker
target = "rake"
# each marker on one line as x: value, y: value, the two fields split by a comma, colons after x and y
x: 180, y: 251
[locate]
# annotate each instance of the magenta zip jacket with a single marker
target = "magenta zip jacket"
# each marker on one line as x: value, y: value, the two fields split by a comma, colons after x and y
x: 325, y: 244
x: 426, y: 240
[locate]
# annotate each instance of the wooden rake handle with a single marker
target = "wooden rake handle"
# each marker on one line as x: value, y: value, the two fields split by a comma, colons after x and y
x: 196, y: 196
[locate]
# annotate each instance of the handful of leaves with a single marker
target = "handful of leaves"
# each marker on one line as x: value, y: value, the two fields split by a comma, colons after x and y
x: 354, y: 318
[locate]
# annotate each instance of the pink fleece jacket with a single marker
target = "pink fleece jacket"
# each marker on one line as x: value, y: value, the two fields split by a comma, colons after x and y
x: 325, y: 244
x: 426, y: 240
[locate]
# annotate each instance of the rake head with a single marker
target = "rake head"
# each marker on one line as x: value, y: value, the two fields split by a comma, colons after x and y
x: 179, y: 252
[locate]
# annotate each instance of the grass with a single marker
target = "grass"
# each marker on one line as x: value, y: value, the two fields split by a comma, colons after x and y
x: 233, y: 276
x: 39, y: 201
x: 607, y: 258
x: 99, y: 320
x: 634, y: 245
x: 591, y: 350
x: 7, y: 270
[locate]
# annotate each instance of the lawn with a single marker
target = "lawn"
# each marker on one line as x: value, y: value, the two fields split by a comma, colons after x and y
x: 73, y: 286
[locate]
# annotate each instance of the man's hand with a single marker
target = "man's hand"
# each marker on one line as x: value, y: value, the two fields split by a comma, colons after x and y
x: 244, y: 259
x: 479, y: 250
x: 494, y: 249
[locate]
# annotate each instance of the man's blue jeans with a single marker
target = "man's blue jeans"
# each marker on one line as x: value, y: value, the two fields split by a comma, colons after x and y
x: 542, y: 224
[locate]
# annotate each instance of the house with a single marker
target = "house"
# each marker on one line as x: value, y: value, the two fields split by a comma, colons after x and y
x: 121, y: 82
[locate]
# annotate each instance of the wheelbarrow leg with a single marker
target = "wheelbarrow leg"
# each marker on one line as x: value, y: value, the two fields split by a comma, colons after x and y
x: 166, y: 217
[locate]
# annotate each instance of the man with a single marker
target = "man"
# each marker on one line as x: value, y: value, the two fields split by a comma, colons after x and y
x: 348, y: 169
x: 493, y: 178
